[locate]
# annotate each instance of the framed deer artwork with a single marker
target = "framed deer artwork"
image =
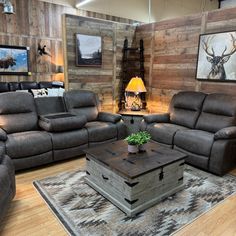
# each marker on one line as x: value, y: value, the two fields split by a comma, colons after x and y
x: 14, y: 60
x: 217, y: 57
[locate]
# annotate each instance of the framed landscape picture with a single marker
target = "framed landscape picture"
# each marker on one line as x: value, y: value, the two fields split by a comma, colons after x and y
x: 14, y: 60
x: 217, y: 57
x: 88, y: 50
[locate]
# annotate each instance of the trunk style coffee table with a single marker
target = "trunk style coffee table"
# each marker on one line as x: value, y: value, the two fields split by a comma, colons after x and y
x: 134, y: 182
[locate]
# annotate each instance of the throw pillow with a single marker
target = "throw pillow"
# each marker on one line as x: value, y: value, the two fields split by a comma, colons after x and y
x: 55, y: 92
x: 39, y: 92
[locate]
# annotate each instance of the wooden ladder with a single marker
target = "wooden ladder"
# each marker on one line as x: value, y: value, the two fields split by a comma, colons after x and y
x: 132, y: 65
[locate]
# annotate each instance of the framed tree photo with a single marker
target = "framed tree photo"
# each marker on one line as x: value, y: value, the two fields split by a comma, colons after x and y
x: 14, y: 60
x: 88, y: 50
x: 217, y: 57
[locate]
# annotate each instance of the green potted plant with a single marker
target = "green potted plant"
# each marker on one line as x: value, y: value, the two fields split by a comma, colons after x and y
x: 137, y: 142
x: 133, y: 143
x: 144, y: 137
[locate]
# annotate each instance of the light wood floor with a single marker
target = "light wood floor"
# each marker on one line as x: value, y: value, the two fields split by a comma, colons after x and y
x: 29, y: 215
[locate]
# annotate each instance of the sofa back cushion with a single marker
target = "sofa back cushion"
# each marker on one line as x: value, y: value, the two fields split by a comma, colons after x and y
x: 49, y: 105
x: 4, y: 87
x: 82, y: 102
x: 219, y: 111
x: 17, y: 112
x: 185, y: 108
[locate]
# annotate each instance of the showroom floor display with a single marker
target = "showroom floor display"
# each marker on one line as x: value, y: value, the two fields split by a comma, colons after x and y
x: 83, y: 211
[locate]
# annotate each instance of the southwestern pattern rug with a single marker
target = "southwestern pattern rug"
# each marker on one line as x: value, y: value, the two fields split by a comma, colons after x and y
x: 83, y: 211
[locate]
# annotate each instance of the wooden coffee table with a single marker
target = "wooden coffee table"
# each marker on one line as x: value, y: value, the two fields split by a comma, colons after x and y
x: 134, y: 182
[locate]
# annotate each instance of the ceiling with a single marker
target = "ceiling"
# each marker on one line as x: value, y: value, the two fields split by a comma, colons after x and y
x: 139, y: 9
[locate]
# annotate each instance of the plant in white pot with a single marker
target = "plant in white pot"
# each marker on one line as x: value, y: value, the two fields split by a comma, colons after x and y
x: 133, y: 143
x: 144, y: 138
x: 137, y: 142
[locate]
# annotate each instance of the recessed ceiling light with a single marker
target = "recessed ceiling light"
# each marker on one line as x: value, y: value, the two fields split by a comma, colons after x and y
x: 82, y: 2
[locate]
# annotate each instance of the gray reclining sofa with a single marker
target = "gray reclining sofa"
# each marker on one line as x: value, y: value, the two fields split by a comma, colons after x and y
x: 46, y: 129
x: 200, y: 125
x: 7, y: 182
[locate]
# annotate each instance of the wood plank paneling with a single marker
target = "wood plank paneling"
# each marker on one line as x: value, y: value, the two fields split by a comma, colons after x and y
x: 104, y: 80
x: 41, y: 22
x: 171, y: 49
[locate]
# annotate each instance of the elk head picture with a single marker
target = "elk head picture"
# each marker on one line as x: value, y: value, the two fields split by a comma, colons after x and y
x: 217, y: 57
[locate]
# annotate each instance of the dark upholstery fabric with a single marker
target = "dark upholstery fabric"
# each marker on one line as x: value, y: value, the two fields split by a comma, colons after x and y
x: 49, y: 105
x: 4, y: 87
x: 121, y: 130
x: 226, y: 133
x: 82, y: 102
x: 93, y: 144
x: 33, y: 161
x: 45, y: 84
x: 219, y: 111
x: 185, y: 108
x: 63, y: 122
x: 69, y: 139
x: 17, y: 112
x: 195, y: 159
x: 13, y: 86
x: 3, y: 135
x: 223, y: 156
x: 163, y: 132
x: 108, y: 117
x: 100, y: 131
x: 27, y: 85
x: 194, y: 141
x: 30, y: 143
x: 158, y: 118
x: 7, y: 184
x: 63, y: 154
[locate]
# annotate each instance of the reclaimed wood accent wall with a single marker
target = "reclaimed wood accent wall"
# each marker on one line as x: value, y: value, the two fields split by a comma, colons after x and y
x: 35, y: 22
x: 40, y: 22
x: 104, y: 80
x: 171, y: 49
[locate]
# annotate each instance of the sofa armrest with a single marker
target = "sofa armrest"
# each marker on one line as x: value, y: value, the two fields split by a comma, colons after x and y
x: 109, y: 117
x: 157, y: 118
x: 226, y: 133
x: 3, y: 135
x: 61, y: 122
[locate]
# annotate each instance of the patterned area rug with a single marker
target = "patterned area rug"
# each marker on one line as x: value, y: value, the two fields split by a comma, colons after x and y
x: 83, y: 211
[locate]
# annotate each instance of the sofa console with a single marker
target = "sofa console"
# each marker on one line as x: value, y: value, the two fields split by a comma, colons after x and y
x: 200, y: 125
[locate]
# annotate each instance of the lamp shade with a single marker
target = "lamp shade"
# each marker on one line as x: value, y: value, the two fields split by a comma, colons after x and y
x: 136, y: 85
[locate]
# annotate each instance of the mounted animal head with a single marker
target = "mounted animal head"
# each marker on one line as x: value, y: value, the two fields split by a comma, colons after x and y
x: 217, y: 62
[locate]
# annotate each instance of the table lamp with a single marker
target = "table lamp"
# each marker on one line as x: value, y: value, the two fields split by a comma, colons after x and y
x: 136, y: 86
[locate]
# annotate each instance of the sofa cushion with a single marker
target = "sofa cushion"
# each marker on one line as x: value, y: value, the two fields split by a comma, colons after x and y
x: 13, y: 86
x: 218, y: 112
x: 60, y: 122
x: 82, y: 102
x: 195, y: 141
x: 101, y: 131
x: 28, y: 143
x: 185, y: 108
x: 28, y: 85
x: 49, y: 105
x: 163, y: 132
x: 17, y: 112
x: 69, y: 139
x: 4, y: 87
